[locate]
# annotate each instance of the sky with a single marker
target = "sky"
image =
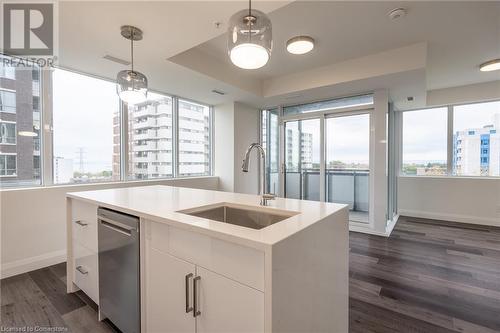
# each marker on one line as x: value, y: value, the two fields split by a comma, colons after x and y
x: 83, y: 117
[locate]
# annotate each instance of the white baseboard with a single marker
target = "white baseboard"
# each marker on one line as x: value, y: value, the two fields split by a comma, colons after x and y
x: 33, y: 263
x: 451, y: 217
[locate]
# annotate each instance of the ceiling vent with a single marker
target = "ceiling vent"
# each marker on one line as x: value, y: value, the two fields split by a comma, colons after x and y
x: 117, y: 60
x: 218, y: 92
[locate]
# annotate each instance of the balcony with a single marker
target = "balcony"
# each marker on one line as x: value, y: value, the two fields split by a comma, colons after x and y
x: 345, y: 186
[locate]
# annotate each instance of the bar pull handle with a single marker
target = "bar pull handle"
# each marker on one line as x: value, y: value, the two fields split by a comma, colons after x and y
x: 196, y: 301
x: 82, y: 270
x: 187, y: 278
x: 81, y: 223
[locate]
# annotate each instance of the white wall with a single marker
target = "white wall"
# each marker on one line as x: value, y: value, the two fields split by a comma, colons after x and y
x: 33, y: 221
x: 237, y: 126
x: 224, y: 146
x: 246, y: 130
x: 460, y: 199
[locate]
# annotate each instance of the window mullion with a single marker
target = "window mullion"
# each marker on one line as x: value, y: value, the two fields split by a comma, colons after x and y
x: 46, y: 130
x: 124, y: 142
x: 175, y: 137
x: 449, y: 162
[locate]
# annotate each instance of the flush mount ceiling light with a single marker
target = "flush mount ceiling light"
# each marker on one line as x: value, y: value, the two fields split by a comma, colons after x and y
x: 300, y: 45
x: 249, y: 38
x: 492, y: 65
x: 131, y: 86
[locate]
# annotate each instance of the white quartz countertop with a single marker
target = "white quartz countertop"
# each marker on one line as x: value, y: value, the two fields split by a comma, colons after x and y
x: 161, y: 203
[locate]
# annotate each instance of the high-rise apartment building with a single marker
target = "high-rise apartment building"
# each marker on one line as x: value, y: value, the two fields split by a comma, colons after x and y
x: 476, y: 151
x: 150, y: 139
x: 19, y: 124
x: 299, y: 149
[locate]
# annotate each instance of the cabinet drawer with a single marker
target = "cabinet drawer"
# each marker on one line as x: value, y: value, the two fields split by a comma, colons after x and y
x: 240, y: 263
x: 84, y: 219
x: 86, y: 271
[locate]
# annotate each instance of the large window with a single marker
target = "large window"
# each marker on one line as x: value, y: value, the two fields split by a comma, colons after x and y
x: 7, y: 101
x: 194, y: 139
x: 91, y: 136
x: 150, y: 138
x: 425, y: 142
x: 84, y: 112
x: 465, y: 144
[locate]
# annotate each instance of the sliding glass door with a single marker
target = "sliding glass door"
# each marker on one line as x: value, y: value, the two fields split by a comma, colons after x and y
x: 302, y: 159
x: 347, y: 163
x: 327, y: 158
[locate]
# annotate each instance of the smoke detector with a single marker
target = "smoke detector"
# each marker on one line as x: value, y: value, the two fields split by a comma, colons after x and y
x: 397, y: 13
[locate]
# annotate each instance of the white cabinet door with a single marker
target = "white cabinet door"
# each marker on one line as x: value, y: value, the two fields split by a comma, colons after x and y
x: 227, y: 306
x: 166, y: 294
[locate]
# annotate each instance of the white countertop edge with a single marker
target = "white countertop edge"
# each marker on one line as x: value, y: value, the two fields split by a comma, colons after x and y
x: 262, y: 239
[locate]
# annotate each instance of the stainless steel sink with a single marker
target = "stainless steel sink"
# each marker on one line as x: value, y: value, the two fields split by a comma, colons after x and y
x: 240, y: 215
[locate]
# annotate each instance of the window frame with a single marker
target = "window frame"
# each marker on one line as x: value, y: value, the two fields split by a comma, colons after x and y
x: 4, y: 155
x: 321, y: 114
x: 47, y: 139
x: 450, y: 133
x: 15, y: 99
x: 15, y: 132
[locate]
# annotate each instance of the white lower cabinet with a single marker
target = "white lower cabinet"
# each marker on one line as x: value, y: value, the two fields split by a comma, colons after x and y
x: 166, y: 296
x: 228, y: 306
x: 177, y: 289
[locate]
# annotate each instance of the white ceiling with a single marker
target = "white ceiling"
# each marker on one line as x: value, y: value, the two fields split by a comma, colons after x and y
x: 459, y: 35
x: 88, y: 30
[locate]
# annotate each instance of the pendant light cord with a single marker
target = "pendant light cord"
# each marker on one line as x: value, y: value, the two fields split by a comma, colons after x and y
x: 132, y: 47
x: 250, y: 21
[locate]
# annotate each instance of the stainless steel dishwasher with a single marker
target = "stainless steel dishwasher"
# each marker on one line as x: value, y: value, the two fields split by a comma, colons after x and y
x: 119, y: 268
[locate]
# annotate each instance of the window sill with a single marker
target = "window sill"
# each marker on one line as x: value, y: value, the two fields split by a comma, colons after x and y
x: 118, y: 183
x: 451, y: 177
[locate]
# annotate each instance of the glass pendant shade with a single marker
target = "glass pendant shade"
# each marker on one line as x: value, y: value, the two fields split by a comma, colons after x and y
x: 249, y: 39
x: 132, y: 87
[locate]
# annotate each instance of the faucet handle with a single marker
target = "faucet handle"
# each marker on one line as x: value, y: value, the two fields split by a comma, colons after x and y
x: 266, y: 197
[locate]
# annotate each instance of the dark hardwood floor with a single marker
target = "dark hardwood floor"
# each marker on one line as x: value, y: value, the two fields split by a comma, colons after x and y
x: 429, y: 276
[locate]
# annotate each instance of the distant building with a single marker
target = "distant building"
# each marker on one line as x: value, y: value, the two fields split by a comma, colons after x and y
x: 19, y: 125
x: 150, y: 140
x: 476, y: 151
x: 299, y: 152
x: 63, y: 170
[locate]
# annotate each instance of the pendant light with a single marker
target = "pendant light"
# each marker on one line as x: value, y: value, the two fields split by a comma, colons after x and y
x: 249, y: 38
x: 131, y: 85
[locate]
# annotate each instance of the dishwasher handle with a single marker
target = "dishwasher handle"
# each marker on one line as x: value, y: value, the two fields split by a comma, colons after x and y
x: 116, y: 226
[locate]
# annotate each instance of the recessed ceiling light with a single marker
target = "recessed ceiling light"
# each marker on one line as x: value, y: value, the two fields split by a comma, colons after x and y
x: 300, y: 45
x: 492, y: 65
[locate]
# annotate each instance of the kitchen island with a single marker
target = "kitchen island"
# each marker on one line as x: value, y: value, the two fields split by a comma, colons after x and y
x: 214, y: 261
